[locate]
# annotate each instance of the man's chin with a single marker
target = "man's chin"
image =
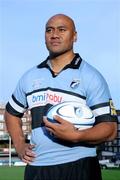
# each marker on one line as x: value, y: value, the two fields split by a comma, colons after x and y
x: 56, y: 54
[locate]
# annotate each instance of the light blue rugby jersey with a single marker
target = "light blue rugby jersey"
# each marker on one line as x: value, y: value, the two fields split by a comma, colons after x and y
x: 39, y: 89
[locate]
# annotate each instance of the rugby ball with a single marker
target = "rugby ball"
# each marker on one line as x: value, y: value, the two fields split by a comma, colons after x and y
x: 77, y: 113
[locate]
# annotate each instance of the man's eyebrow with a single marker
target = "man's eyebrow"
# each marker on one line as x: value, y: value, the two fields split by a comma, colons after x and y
x: 52, y: 27
x: 47, y: 27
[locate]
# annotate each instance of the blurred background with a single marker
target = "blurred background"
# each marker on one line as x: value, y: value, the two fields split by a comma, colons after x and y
x: 22, y: 45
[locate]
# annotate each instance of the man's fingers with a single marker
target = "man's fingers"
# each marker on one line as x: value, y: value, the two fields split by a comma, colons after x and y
x: 28, y: 150
x: 58, y: 119
x: 30, y: 153
x: 48, y: 123
x: 27, y: 159
x: 31, y: 146
x: 29, y: 156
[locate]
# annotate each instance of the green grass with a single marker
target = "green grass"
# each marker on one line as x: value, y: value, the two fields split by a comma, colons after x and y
x: 111, y: 174
x: 16, y: 173
x: 11, y: 173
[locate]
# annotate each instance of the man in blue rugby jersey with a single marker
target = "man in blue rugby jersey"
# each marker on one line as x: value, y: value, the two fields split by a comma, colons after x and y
x: 59, y: 151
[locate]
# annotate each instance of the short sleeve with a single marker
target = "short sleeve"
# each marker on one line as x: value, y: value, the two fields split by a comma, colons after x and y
x: 18, y: 102
x: 99, y: 99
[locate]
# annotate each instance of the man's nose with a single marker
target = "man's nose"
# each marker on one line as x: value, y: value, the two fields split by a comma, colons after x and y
x: 55, y: 34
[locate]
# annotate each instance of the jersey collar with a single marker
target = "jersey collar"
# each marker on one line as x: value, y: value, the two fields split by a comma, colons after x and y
x: 75, y: 63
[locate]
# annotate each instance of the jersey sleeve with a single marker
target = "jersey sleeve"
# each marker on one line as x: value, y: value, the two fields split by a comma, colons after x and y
x: 17, y: 104
x: 99, y: 99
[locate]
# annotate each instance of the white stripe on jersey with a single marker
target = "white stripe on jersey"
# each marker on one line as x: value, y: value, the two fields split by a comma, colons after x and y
x: 51, y: 97
x: 101, y: 111
x: 16, y: 106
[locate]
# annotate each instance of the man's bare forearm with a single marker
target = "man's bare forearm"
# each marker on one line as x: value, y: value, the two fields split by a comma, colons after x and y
x: 14, y: 127
x: 99, y: 133
x: 102, y: 132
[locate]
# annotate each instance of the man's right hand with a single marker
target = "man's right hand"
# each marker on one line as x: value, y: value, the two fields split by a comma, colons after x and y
x: 25, y: 153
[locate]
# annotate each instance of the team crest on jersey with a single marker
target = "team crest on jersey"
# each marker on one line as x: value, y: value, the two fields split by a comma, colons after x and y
x: 75, y: 83
x: 36, y: 83
x: 112, y: 109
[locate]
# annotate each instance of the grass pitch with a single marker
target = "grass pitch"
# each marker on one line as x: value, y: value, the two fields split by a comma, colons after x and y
x: 11, y: 173
x: 16, y: 173
x: 111, y: 174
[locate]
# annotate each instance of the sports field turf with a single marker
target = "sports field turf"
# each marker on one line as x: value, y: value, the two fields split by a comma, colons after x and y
x: 16, y: 173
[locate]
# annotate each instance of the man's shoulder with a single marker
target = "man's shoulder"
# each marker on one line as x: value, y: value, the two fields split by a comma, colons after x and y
x: 90, y: 73
x: 89, y: 69
x: 30, y: 71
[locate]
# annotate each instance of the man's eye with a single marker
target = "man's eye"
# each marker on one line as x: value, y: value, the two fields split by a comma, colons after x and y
x: 48, y: 30
x: 62, y: 30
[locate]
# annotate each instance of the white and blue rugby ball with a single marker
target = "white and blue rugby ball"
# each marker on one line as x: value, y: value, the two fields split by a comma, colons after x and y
x: 77, y: 113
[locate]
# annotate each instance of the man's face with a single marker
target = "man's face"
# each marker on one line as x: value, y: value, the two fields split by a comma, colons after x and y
x: 60, y: 35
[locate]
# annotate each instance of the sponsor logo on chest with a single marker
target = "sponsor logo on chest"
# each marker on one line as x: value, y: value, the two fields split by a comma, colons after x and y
x: 43, y: 98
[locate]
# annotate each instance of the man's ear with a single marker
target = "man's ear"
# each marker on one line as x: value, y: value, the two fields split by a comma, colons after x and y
x: 75, y: 37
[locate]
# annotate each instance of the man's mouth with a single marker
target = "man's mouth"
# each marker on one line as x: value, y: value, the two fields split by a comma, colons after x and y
x: 55, y: 43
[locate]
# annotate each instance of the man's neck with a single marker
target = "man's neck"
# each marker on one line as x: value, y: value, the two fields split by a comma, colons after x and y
x: 59, y: 62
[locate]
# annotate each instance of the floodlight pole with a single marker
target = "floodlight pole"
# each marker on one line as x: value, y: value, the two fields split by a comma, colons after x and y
x: 9, y: 151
